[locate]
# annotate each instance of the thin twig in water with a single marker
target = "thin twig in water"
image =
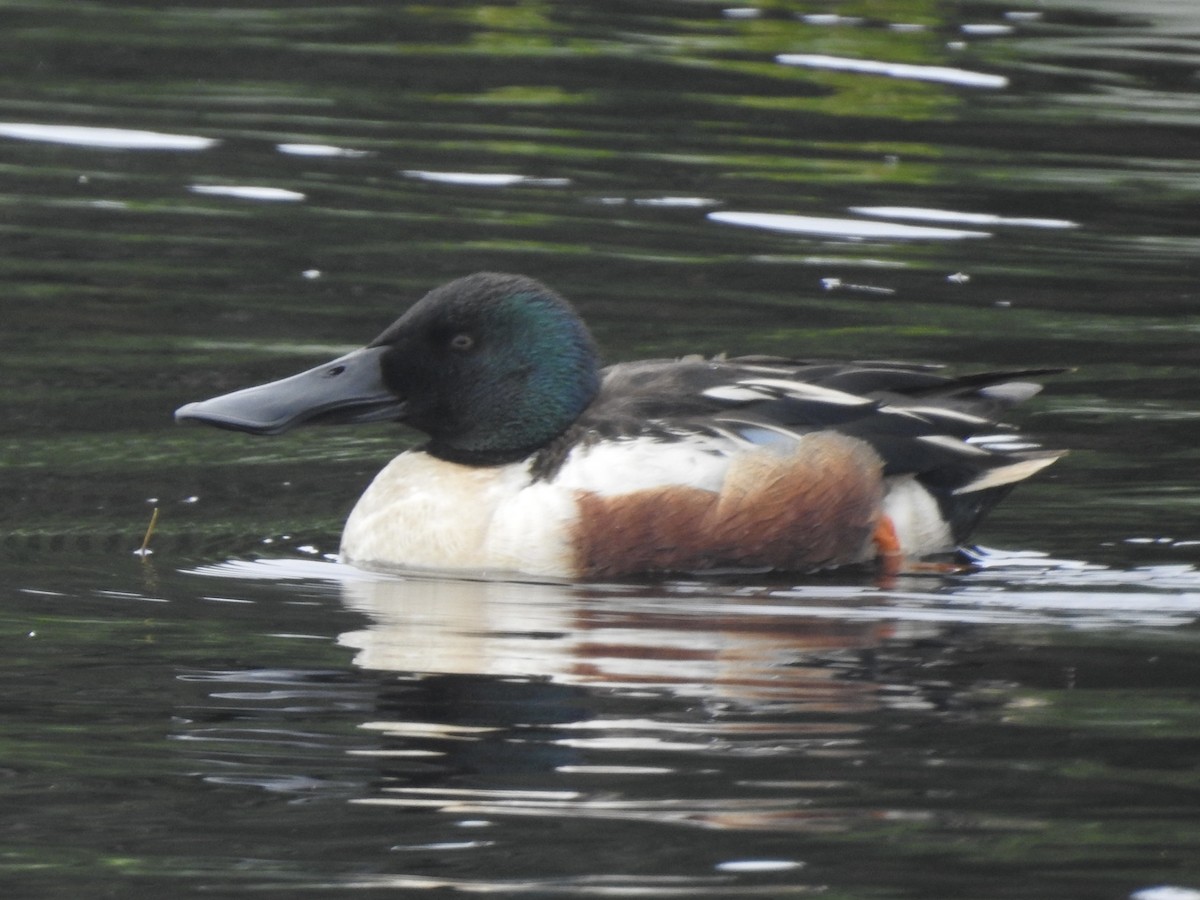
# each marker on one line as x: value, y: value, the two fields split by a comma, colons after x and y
x: 144, y: 550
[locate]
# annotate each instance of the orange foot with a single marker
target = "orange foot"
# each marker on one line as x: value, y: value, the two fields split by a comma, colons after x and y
x: 890, y: 558
x: 888, y: 555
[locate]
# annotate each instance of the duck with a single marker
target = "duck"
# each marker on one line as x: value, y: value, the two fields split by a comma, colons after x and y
x: 541, y: 463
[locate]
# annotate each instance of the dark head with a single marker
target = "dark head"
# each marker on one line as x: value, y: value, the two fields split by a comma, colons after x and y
x: 490, y: 366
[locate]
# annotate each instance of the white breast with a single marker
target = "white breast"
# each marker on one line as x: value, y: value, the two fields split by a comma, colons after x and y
x: 421, y: 512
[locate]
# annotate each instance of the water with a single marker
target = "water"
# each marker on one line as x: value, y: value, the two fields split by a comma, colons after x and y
x: 196, y: 199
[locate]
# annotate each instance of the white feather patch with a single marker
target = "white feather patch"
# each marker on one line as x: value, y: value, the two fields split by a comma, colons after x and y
x: 949, y: 415
x: 1010, y: 474
x: 735, y: 393
x: 765, y: 369
x: 1011, y: 391
x: 917, y: 517
x: 802, y: 391
x: 612, y: 468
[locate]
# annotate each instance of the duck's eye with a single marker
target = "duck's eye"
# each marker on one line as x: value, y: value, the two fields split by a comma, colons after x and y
x: 462, y: 341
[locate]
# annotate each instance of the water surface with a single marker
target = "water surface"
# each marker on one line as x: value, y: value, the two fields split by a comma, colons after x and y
x: 195, y: 199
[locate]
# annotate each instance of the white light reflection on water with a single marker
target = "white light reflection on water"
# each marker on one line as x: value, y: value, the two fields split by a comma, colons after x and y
x: 779, y: 813
x: 617, y: 885
x: 248, y: 192
x: 1165, y: 892
x: 965, y: 218
x: 104, y: 138
x: 320, y: 150
x: 841, y: 228
x: 758, y: 865
x: 941, y: 74
x: 484, y: 179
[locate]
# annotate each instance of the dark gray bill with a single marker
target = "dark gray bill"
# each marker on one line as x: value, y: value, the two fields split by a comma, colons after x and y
x: 349, y: 389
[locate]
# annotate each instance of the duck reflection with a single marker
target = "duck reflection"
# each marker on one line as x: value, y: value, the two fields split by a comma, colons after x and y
x: 690, y: 642
x: 721, y: 709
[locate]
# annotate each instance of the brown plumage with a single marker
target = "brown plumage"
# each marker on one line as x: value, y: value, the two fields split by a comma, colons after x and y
x: 813, y: 508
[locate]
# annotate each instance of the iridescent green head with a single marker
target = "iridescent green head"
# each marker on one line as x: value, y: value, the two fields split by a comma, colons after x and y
x: 492, y: 367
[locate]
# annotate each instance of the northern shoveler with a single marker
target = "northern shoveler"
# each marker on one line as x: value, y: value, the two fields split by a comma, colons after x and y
x: 542, y: 463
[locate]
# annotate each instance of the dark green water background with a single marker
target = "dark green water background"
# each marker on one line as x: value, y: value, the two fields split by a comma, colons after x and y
x: 196, y: 197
